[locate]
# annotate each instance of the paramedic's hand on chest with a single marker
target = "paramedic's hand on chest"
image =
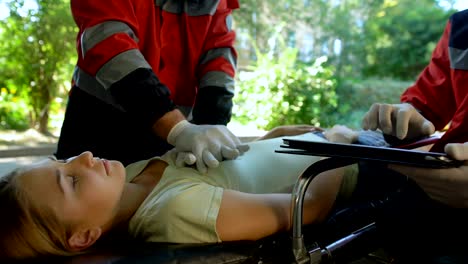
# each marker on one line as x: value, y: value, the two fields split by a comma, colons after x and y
x: 205, y: 145
x: 448, y: 186
x: 400, y: 120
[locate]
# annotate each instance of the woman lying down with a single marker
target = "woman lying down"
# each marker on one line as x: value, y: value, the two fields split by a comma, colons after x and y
x: 62, y: 207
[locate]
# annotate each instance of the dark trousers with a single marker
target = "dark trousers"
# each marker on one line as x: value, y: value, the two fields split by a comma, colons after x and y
x: 92, y: 125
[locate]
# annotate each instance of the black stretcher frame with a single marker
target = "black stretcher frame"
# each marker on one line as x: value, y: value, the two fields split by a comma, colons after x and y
x: 341, y: 155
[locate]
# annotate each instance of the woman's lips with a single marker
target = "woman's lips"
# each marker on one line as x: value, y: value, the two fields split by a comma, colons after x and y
x: 106, y: 166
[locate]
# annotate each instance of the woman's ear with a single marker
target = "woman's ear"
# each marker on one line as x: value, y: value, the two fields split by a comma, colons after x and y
x: 84, y: 238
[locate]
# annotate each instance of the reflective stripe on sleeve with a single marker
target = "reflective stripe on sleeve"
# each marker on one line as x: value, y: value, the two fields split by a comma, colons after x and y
x: 219, y: 52
x: 113, y: 71
x: 190, y: 7
x: 94, y: 35
x: 218, y: 79
x: 458, y: 58
x: 90, y: 85
x: 119, y: 66
x: 229, y: 22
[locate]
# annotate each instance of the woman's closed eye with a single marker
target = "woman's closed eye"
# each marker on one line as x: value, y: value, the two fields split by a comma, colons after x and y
x: 74, y: 180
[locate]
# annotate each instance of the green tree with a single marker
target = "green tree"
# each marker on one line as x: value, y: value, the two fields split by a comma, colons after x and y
x: 278, y: 90
x: 259, y: 20
x: 400, y: 37
x: 37, y: 47
x: 344, y: 27
x: 362, y: 38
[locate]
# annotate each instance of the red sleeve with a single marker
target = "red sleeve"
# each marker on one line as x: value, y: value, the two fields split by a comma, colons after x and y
x: 88, y: 13
x: 216, y: 72
x: 107, y: 29
x: 433, y: 87
x: 220, y: 35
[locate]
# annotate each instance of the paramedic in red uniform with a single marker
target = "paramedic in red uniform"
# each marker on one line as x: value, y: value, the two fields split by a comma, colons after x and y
x: 144, y: 68
x: 430, y: 218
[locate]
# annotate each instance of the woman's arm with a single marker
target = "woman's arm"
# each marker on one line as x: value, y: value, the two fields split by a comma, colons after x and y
x: 245, y: 216
x: 341, y: 134
x: 290, y: 130
x: 338, y: 133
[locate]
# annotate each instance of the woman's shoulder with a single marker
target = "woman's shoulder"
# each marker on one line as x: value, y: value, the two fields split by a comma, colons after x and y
x: 132, y: 170
x: 175, y: 205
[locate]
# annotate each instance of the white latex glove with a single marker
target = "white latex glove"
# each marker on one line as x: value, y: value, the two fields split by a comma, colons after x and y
x: 209, y: 144
x: 457, y: 151
x: 400, y: 120
x: 449, y: 186
x: 181, y: 159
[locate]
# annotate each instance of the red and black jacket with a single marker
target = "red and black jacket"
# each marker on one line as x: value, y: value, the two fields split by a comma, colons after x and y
x: 148, y: 56
x: 441, y: 91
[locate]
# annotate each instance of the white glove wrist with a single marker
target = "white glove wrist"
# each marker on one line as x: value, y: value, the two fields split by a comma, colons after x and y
x: 176, y: 130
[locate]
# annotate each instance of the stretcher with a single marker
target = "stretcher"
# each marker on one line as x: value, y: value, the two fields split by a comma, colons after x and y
x: 355, y: 239
x: 341, y: 155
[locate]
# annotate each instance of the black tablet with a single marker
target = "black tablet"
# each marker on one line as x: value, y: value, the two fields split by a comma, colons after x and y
x: 405, y: 144
x: 362, y: 152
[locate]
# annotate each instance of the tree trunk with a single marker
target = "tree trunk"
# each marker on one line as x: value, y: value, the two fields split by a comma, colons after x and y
x: 44, y: 121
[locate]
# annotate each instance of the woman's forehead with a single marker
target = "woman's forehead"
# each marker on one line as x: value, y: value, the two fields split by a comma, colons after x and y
x: 45, y: 163
x: 39, y: 181
x: 39, y: 168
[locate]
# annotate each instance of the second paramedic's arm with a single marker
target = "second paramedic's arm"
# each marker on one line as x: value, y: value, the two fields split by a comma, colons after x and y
x: 216, y: 70
x: 420, y: 113
x: 400, y: 120
x: 433, y: 88
x: 447, y: 186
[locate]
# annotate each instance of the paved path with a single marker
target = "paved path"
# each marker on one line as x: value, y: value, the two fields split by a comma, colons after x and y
x: 8, y: 164
x: 16, y: 156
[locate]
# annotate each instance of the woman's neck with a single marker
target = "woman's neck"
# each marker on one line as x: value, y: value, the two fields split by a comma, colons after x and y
x: 135, y: 193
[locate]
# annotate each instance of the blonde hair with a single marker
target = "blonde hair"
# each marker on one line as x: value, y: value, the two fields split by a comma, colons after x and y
x: 26, y: 229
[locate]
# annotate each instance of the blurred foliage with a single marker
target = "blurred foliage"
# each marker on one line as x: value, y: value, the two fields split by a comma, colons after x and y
x: 357, y: 95
x: 278, y: 90
x: 400, y: 38
x: 37, y: 56
x: 13, y: 111
x: 361, y: 38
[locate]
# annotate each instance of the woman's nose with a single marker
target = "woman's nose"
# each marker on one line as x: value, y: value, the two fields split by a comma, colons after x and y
x: 87, y: 158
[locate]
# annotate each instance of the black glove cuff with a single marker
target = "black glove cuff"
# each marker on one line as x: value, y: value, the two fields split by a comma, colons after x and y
x: 213, y: 106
